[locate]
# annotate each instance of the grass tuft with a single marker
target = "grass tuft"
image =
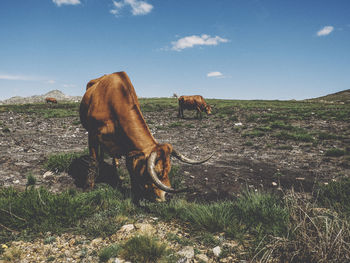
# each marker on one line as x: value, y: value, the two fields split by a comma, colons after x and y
x: 144, y: 248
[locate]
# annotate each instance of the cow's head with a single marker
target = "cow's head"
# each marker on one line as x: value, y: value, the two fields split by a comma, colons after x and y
x: 207, y: 109
x: 150, y: 175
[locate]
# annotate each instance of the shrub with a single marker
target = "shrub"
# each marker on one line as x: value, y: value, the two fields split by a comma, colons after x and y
x: 144, y: 248
x: 108, y: 252
x: 301, y: 136
x: 335, y: 152
x: 31, y: 180
x: 60, y: 162
x: 336, y: 195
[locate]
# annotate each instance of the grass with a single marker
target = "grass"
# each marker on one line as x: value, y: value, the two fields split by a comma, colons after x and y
x: 108, y: 252
x: 335, y: 152
x: 60, y: 162
x: 37, y: 210
x: 146, y: 249
x: 60, y: 110
x: 336, y: 195
x: 250, y: 213
x: 281, y: 228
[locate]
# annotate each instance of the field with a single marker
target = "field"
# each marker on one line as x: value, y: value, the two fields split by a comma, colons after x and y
x: 277, y: 147
x: 257, y: 144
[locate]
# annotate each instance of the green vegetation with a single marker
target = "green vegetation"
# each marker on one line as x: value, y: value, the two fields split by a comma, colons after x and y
x: 108, y: 252
x: 335, y: 152
x: 37, y: 210
x: 336, y: 195
x: 47, y: 111
x: 253, y: 212
x: 285, y: 227
x: 147, y: 249
x: 60, y: 162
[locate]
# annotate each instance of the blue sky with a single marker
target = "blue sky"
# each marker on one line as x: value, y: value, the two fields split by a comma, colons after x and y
x: 233, y: 49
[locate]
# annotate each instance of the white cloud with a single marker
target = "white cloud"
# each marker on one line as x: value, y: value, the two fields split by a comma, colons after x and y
x: 137, y: 7
x: 325, y: 31
x: 66, y: 2
x: 190, y: 41
x: 214, y: 74
x: 51, y: 81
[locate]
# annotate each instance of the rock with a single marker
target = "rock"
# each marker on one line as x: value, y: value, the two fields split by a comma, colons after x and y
x: 202, y: 258
x: 48, y: 174
x: 146, y: 229
x: 217, y: 251
x: 187, y: 252
x: 127, y: 228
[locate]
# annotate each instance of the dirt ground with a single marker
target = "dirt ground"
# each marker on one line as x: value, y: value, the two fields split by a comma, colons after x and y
x: 263, y: 163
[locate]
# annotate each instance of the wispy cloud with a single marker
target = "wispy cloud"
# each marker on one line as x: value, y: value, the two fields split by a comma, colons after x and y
x: 215, y: 74
x: 191, y: 41
x: 66, y: 2
x: 16, y: 77
x: 68, y: 86
x: 137, y: 7
x: 325, y: 31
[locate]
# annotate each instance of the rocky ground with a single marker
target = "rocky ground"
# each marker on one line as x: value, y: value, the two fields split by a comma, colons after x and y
x: 26, y: 141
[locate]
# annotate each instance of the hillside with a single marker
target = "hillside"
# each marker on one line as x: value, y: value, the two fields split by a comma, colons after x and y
x: 58, y: 95
x: 338, y: 97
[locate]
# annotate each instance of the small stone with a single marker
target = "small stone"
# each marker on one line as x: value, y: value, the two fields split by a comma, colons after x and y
x: 217, y: 251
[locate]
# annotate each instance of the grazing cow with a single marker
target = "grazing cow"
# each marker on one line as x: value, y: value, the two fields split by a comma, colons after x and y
x: 110, y: 112
x: 51, y: 100
x: 195, y: 102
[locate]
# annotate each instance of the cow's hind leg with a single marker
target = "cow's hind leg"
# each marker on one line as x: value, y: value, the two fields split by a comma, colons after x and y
x: 93, y: 162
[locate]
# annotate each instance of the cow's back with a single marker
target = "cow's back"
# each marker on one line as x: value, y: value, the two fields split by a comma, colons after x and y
x: 105, y: 94
x: 191, y: 102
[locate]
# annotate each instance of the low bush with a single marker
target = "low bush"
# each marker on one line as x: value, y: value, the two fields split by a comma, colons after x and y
x: 60, y: 162
x: 146, y: 249
x: 108, y: 252
x: 336, y: 195
x: 335, y: 152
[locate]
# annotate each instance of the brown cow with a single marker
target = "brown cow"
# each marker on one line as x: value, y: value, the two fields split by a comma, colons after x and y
x: 51, y: 100
x: 110, y: 112
x: 195, y: 102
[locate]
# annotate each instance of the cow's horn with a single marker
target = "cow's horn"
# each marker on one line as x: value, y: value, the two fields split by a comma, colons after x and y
x: 150, y: 167
x: 188, y: 160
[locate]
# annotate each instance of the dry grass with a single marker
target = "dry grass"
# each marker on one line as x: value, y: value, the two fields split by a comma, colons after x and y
x: 315, y: 235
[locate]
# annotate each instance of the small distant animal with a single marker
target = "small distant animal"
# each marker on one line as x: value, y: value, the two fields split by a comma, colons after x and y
x: 195, y: 102
x: 51, y: 100
x: 110, y: 112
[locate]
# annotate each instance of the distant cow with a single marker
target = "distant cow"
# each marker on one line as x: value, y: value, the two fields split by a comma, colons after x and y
x: 51, y: 100
x: 195, y: 102
x: 110, y: 112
